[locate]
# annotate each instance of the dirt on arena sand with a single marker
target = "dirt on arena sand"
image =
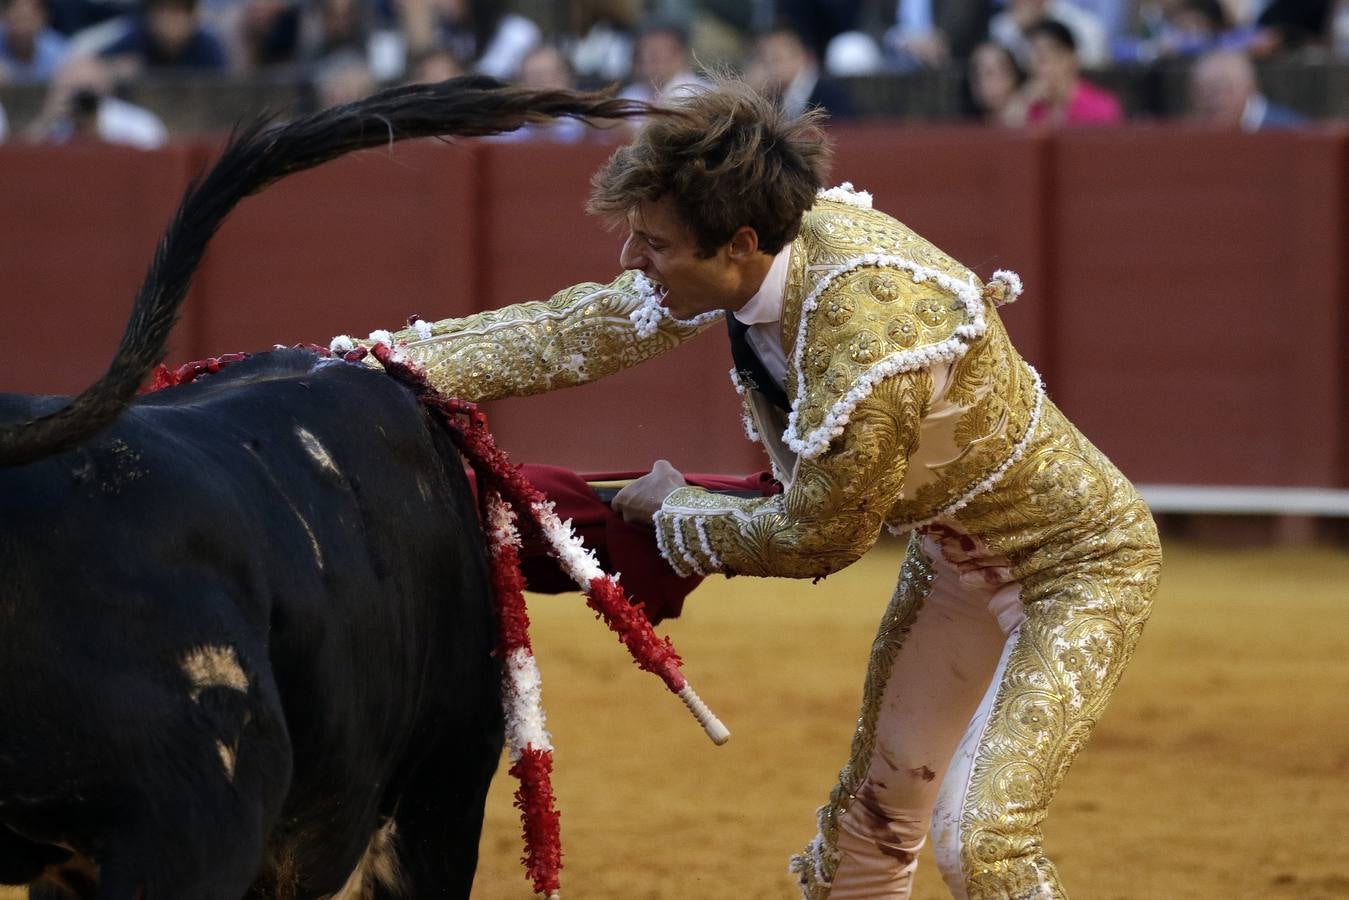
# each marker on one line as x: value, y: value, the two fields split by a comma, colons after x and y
x: 1220, y: 770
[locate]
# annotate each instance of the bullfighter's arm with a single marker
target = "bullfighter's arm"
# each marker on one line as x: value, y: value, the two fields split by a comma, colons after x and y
x: 583, y: 333
x: 831, y: 514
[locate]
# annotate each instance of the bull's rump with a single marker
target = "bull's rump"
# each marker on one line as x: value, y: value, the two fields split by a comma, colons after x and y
x: 294, y: 518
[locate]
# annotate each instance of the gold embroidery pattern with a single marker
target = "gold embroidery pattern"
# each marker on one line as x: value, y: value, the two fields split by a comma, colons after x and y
x: 835, y: 233
x: 868, y: 314
x: 997, y: 390
x: 833, y: 511
x: 1085, y: 550
x: 581, y: 334
x: 850, y: 331
x: 792, y: 295
x: 832, y: 235
x: 817, y: 865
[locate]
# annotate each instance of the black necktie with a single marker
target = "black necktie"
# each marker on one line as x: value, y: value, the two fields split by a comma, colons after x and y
x: 753, y: 373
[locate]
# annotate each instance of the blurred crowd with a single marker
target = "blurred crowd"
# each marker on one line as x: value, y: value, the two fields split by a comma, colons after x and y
x: 1025, y: 62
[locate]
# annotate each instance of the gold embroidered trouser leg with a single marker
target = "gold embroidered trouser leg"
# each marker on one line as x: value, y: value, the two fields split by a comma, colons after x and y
x: 977, y: 703
x: 1055, y: 676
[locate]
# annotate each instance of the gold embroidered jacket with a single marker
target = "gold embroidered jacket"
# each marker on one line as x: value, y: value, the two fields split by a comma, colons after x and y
x: 908, y: 401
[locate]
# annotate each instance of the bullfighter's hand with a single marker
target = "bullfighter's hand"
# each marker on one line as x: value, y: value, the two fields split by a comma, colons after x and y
x: 640, y: 500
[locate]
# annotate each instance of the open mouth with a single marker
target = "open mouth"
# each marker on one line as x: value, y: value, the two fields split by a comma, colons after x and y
x: 661, y: 291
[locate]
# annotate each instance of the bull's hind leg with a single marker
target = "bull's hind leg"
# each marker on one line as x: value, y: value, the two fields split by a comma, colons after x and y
x: 50, y: 872
x: 213, y: 775
x: 438, y: 823
x: 23, y: 861
x: 207, y: 845
x: 74, y: 879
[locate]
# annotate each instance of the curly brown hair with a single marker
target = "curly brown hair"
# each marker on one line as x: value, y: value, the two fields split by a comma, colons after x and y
x: 727, y: 158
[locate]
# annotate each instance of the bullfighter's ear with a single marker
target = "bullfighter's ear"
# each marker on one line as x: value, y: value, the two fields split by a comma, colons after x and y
x: 744, y: 243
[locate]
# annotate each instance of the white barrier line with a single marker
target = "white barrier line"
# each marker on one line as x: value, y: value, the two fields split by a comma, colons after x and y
x: 1166, y: 498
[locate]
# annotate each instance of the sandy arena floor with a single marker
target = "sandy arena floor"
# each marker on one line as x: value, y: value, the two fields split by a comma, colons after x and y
x: 1221, y: 769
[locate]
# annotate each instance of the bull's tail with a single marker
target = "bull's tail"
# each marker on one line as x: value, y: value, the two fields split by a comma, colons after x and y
x: 258, y: 155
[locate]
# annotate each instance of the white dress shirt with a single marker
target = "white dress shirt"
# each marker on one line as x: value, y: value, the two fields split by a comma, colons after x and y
x: 763, y: 315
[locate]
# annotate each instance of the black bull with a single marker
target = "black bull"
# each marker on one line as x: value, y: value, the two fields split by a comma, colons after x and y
x: 249, y: 623
x: 245, y: 627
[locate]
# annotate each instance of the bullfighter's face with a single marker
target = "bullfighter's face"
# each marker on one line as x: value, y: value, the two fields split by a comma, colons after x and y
x: 665, y: 250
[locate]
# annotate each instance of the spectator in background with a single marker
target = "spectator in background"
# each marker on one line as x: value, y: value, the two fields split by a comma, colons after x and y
x: 341, y: 28
x: 724, y: 30
x: 80, y: 107
x: 30, y: 50
x: 480, y: 32
x: 929, y: 33
x: 1012, y: 28
x: 262, y: 32
x: 167, y: 35
x: 660, y: 64
x: 1224, y: 93
x: 546, y: 68
x: 784, y: 68
x: 1056, y: 93
x: 71, y: 17
x: 1181, y: 28
x: 603, y: 44
x: 720, y: 32
x: 343, y: 77
x: 1114, y: 15
x: 820, y: 21
x: 834, y: 32
x: 1290, y: 25
x: 436, y: 65
x: 1339, y: 30
x: 995, y: 82
x: 333, y: 28
x: 922, y: 34
x: 854, y: 53
x: 1199, y: 25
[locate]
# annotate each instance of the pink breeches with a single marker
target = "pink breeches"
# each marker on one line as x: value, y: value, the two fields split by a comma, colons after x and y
x: 933, y: 698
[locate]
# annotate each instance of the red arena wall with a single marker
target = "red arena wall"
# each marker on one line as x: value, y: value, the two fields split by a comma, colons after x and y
x: 1185, y: 290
